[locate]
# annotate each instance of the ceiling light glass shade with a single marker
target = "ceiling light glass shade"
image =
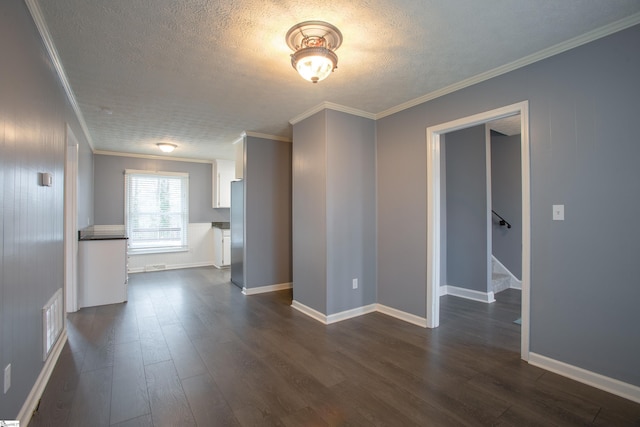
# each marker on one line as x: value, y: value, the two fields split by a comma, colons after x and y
x: 314, y: 43
x: 314, y: 63
x: 166, y: 147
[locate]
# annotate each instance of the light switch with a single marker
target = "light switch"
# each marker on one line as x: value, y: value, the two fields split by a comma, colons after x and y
x: 558, y: 212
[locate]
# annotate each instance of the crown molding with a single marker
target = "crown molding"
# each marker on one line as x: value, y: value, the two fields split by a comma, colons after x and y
x: 263, y: 136
x: 585, y: 38
x: 331, y: 106
x: 41, y: 25
x: 153, y: 157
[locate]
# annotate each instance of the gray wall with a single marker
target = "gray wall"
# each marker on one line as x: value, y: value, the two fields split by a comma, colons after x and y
x: 466, y: 196
x: 334, y: 211
x: 267, y: 186
x: 351, y: 225
x: 33, y: 116
x: 584, y: 286
x: 506, y: 199
x: 309, y: 222
x: 109, y: 187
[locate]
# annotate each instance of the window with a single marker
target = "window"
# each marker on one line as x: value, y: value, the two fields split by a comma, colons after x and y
x: 156, y: 211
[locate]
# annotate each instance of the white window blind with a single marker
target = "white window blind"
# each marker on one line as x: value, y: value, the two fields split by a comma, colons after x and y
x: 156, y: 210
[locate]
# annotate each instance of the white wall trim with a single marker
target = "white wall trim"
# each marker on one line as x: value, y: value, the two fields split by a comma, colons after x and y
x: 38, y: 19
x: 30, y: 404
x: 268, y: 288
x: 263, y: 136
x: 359, y: 311
x: 305, y: 309
x: 486, y: 297
x: 402, y: 315
x: 349, y: 314
x: 611, y: 385
x: 590, y: 36
x: 514, y: 282
x: 331, y: 106
x: 443, y: 290
x: 433, y: 134
x: 153, y: 157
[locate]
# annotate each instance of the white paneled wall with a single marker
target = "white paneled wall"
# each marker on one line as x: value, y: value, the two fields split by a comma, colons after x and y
x: 200, y: 251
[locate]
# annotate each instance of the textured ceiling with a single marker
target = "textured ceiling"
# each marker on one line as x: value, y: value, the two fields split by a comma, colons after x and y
x: 199, y: 72
x: 508, y: 126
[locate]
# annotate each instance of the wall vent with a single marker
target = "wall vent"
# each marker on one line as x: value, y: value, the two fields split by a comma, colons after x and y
x: 52, y: 322
x: 155, y: 267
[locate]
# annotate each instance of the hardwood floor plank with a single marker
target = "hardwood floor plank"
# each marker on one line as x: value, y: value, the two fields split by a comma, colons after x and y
x: 169, y: 406
x: 207, y: 402
x: 91, y: 405
x: 58, y: 397
x: 184, y: 355
x: 154, y: 347
x: 189, y: 349
x: 143, y: 421
x: 129, y: 396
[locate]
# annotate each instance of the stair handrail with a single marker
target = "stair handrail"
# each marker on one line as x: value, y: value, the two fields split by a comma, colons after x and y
x: 502, y: 220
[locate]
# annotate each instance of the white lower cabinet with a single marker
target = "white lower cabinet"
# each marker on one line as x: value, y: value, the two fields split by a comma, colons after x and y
x: 102, y: 272
x: 221, y: 248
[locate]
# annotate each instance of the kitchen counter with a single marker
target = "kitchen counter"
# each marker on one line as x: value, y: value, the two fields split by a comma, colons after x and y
x: 92, y: 235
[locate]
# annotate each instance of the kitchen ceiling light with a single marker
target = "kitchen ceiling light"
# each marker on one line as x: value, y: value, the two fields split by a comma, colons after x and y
x: 166, y: 147
x: 314, y: 43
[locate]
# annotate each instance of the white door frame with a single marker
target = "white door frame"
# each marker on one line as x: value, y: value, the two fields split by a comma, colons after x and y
x: 71, y: 222
x: 433, y: 210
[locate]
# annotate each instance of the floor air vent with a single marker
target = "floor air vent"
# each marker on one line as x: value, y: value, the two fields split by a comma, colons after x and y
x: 155, y: 267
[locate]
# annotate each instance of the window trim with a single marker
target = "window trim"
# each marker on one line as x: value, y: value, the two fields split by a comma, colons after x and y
x: 166, y: 249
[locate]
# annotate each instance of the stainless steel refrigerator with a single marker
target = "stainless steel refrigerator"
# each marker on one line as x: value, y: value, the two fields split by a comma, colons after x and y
x: 237, y: 233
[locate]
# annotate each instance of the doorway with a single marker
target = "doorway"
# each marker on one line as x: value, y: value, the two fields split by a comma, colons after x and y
x: 434, y: 209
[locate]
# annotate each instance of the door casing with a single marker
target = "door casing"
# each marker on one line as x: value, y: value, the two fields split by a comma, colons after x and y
x: 434, y: 210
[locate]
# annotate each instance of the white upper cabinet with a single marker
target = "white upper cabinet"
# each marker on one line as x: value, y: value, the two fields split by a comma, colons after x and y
x: 223, y: 174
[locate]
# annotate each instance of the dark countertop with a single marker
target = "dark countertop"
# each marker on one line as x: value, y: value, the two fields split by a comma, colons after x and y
x: 84, y: 236
x: 221, y: 225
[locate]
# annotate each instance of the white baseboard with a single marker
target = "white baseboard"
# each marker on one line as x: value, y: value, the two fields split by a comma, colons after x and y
x: 305, y: 309
x: 442, y: 290
x: 486, y: 297
x: 402, y: 315
x: 31, y: 403
x: 611, y: 385
x: 171, y: 267
x: 514, y: 282
x: 221, y: 267
x: 269, y: 288
x: 359, y: 311
x: 348, y: 314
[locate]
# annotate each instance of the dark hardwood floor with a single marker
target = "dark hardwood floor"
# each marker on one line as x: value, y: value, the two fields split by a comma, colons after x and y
x: 189, y: 349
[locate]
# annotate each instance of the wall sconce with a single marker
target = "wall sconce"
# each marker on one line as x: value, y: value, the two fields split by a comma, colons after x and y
x: 46, y: 179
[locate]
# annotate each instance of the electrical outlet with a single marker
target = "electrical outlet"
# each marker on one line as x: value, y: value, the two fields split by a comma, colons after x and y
x: 354, y: 283
x: 7, y: 378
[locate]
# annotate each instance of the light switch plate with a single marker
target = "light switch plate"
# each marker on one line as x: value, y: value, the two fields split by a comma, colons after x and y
x: 558, y: 212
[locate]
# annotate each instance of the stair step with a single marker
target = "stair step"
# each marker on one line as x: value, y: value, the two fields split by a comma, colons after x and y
x: 500, y: 282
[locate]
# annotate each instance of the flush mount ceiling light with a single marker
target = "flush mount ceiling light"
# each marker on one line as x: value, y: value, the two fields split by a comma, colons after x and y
x: 314, y: 43
x: 166, y: 147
